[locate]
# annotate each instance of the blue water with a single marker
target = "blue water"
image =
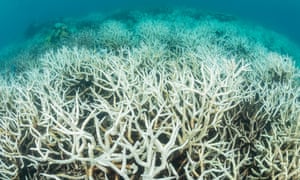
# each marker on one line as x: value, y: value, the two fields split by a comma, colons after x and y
x: 16, y: 15
x: 139, y: 83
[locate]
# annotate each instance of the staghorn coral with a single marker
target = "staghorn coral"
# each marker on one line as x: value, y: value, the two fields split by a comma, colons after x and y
x: 114, y: 35
x: 95, y: 116
x: 146, y: 111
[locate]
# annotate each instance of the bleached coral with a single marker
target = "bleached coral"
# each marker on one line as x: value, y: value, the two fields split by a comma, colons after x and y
x: 197, y: 112
x: 114, y: 34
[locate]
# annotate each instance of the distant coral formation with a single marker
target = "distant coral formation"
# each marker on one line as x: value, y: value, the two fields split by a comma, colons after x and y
x: 177, y: 94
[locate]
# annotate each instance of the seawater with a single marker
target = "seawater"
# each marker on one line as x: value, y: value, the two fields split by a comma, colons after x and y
x: 16, y: 16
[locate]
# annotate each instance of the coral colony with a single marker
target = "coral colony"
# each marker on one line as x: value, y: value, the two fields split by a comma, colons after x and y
x: 176, y: 94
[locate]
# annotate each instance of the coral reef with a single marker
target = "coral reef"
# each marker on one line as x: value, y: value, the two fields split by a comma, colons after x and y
x: 173, y: 95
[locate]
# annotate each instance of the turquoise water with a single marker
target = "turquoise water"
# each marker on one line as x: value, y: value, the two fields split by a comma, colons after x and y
x: 17, y: 15
x: 129, y: 90
x: 21, y: 19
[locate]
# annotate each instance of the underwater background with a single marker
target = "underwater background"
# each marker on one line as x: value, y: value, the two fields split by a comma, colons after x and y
x: 17, y: 15
x: 149, y: 89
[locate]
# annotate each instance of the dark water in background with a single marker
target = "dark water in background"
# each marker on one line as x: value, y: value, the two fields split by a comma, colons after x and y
x: 16, y: 15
